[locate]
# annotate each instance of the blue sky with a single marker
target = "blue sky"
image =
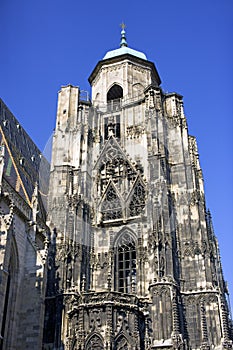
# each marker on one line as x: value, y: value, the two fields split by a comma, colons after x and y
x: 49, y: 43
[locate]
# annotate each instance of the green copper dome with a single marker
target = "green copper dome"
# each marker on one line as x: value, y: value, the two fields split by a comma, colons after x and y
x: 124, y: 49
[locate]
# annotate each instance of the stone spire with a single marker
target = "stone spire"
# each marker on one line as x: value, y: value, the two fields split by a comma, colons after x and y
x: 124, y: 49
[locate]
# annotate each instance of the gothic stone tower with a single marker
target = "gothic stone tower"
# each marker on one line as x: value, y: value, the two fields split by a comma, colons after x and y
x: 134, y: 262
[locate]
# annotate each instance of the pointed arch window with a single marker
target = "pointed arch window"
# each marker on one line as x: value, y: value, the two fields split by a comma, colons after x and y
x: 125, y: 264
x: 111, y: 206
x: 121, y: 344
x: 95, y: 343
x: 137, y: 202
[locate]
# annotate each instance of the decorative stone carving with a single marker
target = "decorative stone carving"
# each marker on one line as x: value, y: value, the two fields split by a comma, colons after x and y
x: 120, y: 184
x: 135, y: 247
x: 177, y: 341
x: 137, y: 200
x: 111, y: 206
x: 122, y: 343
x: 6, y: 219
x: 95, y: 343
x: 134, y: 131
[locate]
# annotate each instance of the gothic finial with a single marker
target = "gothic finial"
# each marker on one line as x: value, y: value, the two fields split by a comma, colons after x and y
x: 123, y: 38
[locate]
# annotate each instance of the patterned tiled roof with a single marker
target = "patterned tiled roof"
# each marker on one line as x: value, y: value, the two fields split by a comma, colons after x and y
x: 24, y: 164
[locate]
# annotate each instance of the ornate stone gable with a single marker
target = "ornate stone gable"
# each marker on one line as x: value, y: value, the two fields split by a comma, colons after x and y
x: 120, y: 187
x: 111, y: 203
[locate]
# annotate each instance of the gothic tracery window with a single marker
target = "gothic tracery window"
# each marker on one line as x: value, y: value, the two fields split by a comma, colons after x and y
x: 121, y: 344
x: 118, y: 170
x: 111, y: 206
x: 119, y: 184
x: 95, y: 343
x: 125, y: 264
x: 137, y: 202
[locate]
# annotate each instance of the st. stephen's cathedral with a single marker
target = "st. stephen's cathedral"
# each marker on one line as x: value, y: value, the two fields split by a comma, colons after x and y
x: 122, y: 255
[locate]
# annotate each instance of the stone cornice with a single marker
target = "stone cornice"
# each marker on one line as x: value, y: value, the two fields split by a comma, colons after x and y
x: 121, y: 58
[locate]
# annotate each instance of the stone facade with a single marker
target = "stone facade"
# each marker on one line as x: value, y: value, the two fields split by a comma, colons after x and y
x: 23, y: 237
x: 123, y: 255
x: 134, y: 262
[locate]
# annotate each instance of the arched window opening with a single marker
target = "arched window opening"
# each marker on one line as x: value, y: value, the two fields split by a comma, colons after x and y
x: 125, y: 264
x: 114, y: 96
x: 138, y: 90
x: 116, y: 92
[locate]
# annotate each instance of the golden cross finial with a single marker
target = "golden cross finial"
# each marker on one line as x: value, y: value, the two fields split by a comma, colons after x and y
x: 122, y: 25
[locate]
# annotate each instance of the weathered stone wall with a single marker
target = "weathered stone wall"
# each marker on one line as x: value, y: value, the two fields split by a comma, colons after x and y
x: 136, y: 258
x: 23, y: 278
x: 23, y: 238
